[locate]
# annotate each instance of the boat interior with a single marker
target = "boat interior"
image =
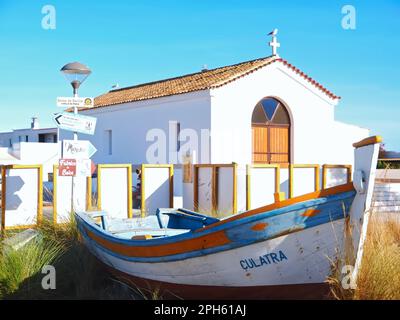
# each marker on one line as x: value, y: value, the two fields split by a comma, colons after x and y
x: 165, y: 223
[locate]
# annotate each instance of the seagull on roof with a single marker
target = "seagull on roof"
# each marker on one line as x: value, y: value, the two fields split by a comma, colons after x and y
x: 273, y: 32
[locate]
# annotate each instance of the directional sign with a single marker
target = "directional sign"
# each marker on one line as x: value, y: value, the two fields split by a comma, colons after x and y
x: 75, y: 122
x: 84, y: 102
x: 67, y: 167
x: 84, y: 167
x: 78, y: 149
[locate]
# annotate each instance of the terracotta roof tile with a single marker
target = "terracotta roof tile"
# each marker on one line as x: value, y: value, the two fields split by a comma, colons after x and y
x: 208, y: 79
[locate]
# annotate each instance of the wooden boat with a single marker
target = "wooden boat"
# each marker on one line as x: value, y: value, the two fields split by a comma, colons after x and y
x: 282, y: 250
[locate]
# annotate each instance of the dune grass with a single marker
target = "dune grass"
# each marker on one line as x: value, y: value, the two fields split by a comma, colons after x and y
x: 19, y: 266
x: 379, y: 276
x: 78, y: 273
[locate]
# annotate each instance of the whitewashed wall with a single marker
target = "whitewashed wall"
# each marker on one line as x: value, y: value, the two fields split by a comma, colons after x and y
x: 46, y: 154
x: 318, y: 138
x: 131, y: 122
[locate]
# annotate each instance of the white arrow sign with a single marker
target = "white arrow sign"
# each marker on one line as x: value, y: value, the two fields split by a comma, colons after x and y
x: 86, y: 102
x: 78, y: 149
x: 75, y: 122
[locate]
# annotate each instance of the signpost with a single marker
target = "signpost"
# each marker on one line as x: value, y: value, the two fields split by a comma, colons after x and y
x: 75, y: 73
x: 78, y: 149
x: 67, y: 102
x: 75, y: 122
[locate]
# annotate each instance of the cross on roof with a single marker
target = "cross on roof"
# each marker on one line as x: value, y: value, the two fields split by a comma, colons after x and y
x: 274, y: 44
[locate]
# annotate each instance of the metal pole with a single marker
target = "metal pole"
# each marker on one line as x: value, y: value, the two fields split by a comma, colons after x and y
x: 75, y: 111
x: 75, y: 138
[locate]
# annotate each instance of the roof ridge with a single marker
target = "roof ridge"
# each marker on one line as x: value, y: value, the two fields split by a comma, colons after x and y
x: 309, y: 79
x: 202, y: 80
x: 187, y: 75
x: 268, y: 61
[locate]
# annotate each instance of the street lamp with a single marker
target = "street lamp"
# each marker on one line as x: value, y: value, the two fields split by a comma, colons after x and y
x: 75, y: 73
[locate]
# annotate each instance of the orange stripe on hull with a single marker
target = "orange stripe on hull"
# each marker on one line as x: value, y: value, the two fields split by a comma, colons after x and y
x: 204, y: 242
x: 259, y: 226
x: 311, y: 213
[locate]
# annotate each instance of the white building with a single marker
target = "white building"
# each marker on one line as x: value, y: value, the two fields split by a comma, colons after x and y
x: 259, y: 111
x: 32, y: 145
x: 32, y: 134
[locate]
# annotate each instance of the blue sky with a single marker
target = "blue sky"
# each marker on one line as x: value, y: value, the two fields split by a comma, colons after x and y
x: 131, y: 42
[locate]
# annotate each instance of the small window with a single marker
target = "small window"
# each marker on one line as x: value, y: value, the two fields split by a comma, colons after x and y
x: 108, y: 142
x: 178, y: 132
x: 10, y: 143
x: 174, y: 128
x: 26, y: 138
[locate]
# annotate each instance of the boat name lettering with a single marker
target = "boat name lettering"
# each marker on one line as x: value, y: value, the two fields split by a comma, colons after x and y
x: 250, y: 263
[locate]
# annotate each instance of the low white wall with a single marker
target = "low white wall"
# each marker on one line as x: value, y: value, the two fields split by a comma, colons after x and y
x: 156, y: 189
x: 46, y: 154
x: 21, y: 197
x: 261, y: 187
x: 113, y: 193
x: 63, y: 194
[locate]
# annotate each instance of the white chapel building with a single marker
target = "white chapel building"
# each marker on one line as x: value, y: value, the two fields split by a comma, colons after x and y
x: 260, y: 111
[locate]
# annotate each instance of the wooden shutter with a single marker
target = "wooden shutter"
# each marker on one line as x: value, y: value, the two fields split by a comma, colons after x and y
x: 279, y: 144
x: 260, y: 144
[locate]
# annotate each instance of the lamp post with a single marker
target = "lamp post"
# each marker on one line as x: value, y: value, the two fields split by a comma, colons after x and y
x: 76, y: 73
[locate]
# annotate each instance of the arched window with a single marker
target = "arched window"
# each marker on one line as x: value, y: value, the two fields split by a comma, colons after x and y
x: 270, y: 132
